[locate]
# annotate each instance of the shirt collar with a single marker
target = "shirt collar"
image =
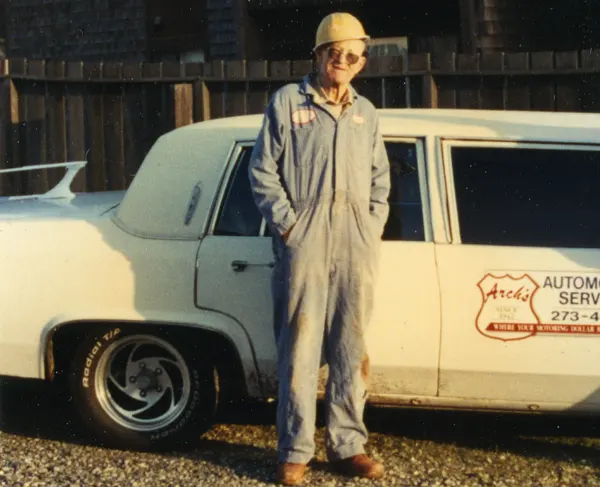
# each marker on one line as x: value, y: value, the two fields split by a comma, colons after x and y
x: 310, y: 87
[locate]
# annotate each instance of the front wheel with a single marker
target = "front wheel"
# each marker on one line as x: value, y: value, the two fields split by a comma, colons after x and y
x: 143, y: 388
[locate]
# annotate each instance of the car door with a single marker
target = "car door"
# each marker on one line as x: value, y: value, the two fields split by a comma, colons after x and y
x: 234, y: 264
x: 234, y: 271
x: 404, y: 334
x: 521, y: 280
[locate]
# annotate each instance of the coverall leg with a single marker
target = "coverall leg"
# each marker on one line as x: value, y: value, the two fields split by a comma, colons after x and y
x: 350, y: 304
x: 300, y: 291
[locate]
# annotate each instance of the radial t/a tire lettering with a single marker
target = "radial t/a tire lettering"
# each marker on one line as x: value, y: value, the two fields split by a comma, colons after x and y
x: 143, y: 387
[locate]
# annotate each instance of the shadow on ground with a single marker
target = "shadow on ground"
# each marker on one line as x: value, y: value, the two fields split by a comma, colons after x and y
x: 34, y: 409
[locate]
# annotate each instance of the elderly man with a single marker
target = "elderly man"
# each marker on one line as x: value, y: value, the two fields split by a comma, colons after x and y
x: 320, y: 177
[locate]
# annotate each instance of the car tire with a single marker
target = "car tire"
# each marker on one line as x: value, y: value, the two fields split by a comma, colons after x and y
x: 142, y: 388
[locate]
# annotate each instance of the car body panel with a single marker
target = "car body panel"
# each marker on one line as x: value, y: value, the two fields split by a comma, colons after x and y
x: 149, y: 255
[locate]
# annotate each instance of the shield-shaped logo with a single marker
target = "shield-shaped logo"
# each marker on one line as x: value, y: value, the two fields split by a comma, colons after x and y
x: 507, y: 311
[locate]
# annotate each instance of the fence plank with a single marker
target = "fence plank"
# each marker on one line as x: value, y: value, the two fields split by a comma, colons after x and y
x: 568, y: 94
x: 134, y: 149
x: 467, y: 91
x: 493, y: 93
x: 112, y: 106
x: 517, y: 93
x: 184, y: 104
x: 56, y: 127
x: 75, y: 131
x: 34, y: 95
x: 446, y: 92
x: 235, y: 99
x: 258, y: 97
x: 201, y: 101
x: 589, y: 93
x: 65, y: 110
x: 96, y: 173
x: 543, y: 94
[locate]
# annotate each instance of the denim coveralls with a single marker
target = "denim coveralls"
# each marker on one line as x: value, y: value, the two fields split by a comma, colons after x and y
x: 329, y: 178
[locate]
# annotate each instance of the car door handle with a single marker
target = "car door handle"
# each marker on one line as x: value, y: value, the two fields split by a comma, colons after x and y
x: 242, y: 265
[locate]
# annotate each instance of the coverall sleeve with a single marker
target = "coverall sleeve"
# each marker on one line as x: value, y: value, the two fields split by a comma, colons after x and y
x: 380, y: 181
x: 267, y: 188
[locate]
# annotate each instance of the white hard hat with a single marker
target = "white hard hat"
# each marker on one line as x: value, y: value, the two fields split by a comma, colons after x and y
x: 339, y: 27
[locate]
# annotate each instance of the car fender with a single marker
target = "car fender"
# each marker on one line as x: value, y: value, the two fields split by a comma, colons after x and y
x: 206, y: 320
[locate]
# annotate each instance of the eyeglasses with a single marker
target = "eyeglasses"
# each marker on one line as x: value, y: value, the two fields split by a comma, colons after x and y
x: 336, y: 54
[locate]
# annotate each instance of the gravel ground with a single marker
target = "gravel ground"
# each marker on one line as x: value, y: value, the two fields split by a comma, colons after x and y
x: 41, y: 446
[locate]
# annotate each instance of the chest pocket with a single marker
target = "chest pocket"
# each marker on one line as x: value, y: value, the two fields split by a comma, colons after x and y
x: 361, y: 140
x: 309, y: 144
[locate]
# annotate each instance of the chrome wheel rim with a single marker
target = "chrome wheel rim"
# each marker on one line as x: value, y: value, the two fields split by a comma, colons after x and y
x: 142, y: 382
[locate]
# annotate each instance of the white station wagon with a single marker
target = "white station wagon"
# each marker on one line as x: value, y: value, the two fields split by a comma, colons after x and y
x: 155, y: 303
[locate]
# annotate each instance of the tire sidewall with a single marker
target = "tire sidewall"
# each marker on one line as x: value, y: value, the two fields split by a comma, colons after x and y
x: 193, y: 419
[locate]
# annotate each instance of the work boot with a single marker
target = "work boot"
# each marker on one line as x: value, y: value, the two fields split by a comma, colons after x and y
x: 290, y: 473
x: 360, y: 466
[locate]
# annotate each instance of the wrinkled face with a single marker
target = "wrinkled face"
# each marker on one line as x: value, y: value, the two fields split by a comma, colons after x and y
x: 341, y: 61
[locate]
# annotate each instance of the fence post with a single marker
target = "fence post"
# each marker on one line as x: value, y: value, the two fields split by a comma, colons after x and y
x: 201, y: 96
x: 184, y: 104
x: 430, y: 91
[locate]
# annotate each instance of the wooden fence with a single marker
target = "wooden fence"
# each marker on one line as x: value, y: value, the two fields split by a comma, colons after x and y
x: 111, y: 113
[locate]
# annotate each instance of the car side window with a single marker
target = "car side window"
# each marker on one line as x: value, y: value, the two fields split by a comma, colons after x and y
x: 239, y: 215
x: 540, y: 197
x: 405, y: 221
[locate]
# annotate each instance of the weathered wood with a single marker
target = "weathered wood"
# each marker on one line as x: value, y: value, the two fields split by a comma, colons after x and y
x: 235, y: 70
x: 201, y: 101
x: 257, y: 98
x: 56, y: 130
x: 567, y: 60
x: 589, y: 93
x: 467, y: 92
x: 419, y: 63
x: 94, y: 110
x: 112, y: 106
x: 492, y: 61
x: 568, y: 91
x: 543, y: 94
x: 542, y: 61
x: 280, y: 69
x: 430, y: 92
x: 445, y: 89
x: 184, y: 104
x: 492, y: 94
x: 113, y: 112
x: 517, y: 93
x: 134, y: 149
x: 34, y: 95
x: 468, y: 62
x: 590, y: 59
x: 258, y: 69
x: 75, y: 131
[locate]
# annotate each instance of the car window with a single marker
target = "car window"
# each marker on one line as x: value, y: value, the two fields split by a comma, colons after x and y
x: 527, y: 196
x: 405, y: 221
x: 239, y: 215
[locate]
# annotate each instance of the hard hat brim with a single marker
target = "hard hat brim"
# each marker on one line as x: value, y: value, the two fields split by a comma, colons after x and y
x: 364, y: 38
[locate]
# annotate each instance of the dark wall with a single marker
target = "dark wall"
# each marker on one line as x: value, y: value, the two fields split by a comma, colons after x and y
x: 288, y: 32
x: 76, y: 29
x: 175, y: 26
x: 551, y: 25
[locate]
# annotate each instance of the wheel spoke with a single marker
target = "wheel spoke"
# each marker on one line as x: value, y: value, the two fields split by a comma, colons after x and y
x: 124, y: 404
x: 129, y: 389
